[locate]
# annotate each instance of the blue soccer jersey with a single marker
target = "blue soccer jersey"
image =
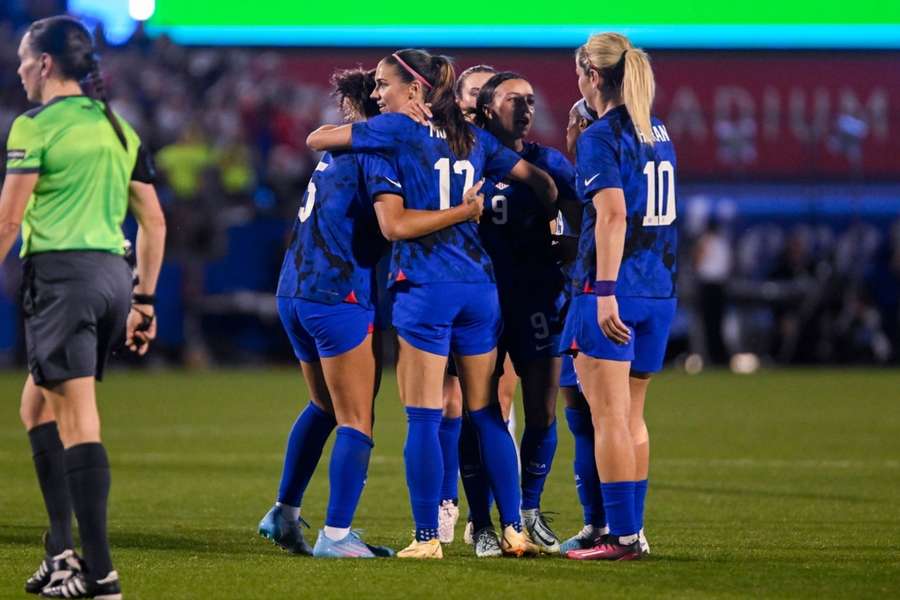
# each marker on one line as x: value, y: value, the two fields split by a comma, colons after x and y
x: 515, y: 227
x: 336, y: 241
x: 435, y: 179
x: 609, y: 155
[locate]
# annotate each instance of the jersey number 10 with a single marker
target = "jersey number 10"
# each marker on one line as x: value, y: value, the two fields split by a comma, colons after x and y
x: 460, y: 167
x: 664, y: 172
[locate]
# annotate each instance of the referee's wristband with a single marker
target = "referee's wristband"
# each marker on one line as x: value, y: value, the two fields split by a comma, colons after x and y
x: 148, y: 299
x: 605, y: 288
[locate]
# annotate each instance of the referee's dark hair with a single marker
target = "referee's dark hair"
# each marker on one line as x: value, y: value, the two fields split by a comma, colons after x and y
x: 70, y: 44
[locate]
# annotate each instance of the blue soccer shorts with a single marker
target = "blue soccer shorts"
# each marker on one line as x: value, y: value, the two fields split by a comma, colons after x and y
x: 442, y: 317
x: 649, y: 320
x: 317, y: 330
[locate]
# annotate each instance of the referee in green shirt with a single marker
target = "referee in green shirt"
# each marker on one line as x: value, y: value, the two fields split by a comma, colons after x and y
x: 72, y: 170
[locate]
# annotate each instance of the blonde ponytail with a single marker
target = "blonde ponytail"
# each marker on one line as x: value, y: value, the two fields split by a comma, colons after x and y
x: 638, y: 89
x: 627, y: 76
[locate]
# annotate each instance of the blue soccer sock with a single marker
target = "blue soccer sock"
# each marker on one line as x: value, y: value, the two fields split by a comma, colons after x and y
x: 347, y: 475
x: 640, y: 495
x: 474, y: 479
x: 538, y: 448
x: 618, y: 501
x: 424, y: 468
x: 587, y: 483
x: 498, y: 453
x: 449, y: 435
x: 304, y: 448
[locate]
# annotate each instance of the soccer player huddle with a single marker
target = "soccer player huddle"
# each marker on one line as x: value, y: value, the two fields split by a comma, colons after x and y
x: 499, y: 248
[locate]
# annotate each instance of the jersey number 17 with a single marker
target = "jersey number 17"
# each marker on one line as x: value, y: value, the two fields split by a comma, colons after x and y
x: 460, y: 167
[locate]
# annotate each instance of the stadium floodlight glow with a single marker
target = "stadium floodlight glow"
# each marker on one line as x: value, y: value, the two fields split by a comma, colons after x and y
x: 771, y: 24
x: 118, y: 24
x: 141, y: 10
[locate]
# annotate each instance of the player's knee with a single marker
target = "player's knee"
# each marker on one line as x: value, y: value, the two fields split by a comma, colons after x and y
x: 638, y: 429
x: 78, y: 431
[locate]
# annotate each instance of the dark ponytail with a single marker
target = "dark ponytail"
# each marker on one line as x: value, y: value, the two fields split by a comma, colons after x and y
x: 70, y: 44
x: 438, y: 71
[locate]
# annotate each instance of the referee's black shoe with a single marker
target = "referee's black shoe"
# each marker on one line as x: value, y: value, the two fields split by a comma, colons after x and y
x: 52, y: 570
x: 78, y: 586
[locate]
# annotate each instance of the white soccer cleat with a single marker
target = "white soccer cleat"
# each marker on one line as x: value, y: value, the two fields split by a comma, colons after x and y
x: 448, y: 515
x: 469, y: 533
x: 642, y: 540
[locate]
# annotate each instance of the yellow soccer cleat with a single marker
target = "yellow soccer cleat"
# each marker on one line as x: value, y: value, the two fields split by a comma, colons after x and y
x: 517, y: 543
x: 430, y: 549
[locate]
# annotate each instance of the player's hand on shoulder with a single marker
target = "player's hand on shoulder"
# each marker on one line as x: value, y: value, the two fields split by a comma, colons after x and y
x: 473, y: 201
x: 609, y: 321
x: 418, y: 111
x: 140, y: 328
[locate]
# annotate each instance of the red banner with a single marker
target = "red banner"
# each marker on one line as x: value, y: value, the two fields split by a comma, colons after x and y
x: 731, y: 115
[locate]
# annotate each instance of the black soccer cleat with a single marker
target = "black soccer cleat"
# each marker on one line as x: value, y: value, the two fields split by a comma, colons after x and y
x: 78, y: 586
x: 52, y: 570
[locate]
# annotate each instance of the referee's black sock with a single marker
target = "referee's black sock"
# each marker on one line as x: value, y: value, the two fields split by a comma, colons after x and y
x: 87, y: 472
x: 49, y: 463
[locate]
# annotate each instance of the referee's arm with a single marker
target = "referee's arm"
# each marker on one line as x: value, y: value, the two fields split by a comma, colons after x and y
x: 151, y: 235
x: 151, y: 242
x: 17, y: 188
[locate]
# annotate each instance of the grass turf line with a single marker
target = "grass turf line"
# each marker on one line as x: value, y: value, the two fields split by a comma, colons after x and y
x: 782, y: 484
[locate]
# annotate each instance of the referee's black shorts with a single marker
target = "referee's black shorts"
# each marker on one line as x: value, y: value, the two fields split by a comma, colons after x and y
x: 75, y: 304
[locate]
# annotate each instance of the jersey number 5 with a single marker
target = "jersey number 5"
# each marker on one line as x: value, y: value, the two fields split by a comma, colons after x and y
x: 664, y: 173
x: 307, y: 207
x: 460, y: 167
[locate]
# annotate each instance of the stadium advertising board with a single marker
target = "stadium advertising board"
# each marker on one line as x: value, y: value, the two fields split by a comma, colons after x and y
x: 773, y: 115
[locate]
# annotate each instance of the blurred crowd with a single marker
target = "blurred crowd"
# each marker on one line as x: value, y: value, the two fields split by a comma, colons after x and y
x: 227, y: 129
x: 789, y: 291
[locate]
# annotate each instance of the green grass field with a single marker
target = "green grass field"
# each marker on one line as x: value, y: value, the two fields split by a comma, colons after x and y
x: 782, y: 484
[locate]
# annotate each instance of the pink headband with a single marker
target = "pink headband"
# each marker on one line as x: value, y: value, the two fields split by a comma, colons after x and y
x: 412, y: 71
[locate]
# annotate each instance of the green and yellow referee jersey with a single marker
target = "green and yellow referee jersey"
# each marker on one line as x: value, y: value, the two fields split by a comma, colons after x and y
x: 81, y: 196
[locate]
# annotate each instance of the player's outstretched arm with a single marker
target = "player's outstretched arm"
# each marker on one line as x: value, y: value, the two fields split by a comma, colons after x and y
x: 151, y: 243
x: 17, y: 188
x: 329, y: 138
x: 540, y: 182
x: 400, y: 223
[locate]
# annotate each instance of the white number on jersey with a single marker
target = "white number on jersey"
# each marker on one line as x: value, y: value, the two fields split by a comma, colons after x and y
x: 460, y: 167
x: 656, y: 204
x: 306, y: 209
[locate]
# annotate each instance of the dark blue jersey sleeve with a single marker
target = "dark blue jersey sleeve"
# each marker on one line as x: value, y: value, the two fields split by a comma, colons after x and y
x: 598, y: 160
x: 499, y: 160
x: 382, y: 133
x: 380, y: 175
x: 563, y: 173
